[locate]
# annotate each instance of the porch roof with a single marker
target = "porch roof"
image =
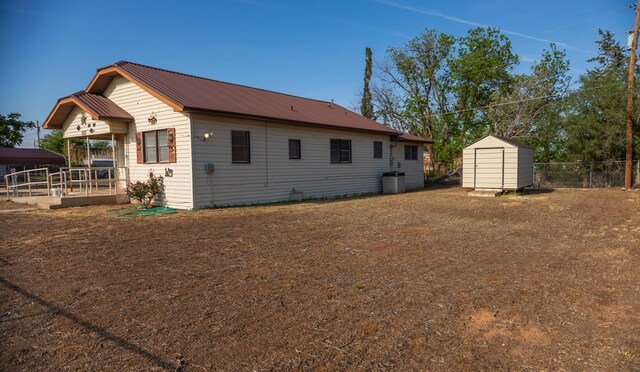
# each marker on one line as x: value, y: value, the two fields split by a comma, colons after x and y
x: 99, y: 107
x: 25, y: 156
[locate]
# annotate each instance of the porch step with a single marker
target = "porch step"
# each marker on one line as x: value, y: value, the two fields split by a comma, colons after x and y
x: 49, y: 202
x: 42, y: 202
x: 49, y: 206
x: 484, y: 193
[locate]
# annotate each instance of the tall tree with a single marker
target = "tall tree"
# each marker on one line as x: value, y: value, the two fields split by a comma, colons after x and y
x: 366, y: 107
x: 427, y: 79
x: 12, y: 129
x: 415, y: 84
x: 596, y: 111
x: 54, y: 141
x: 481, y: 67
x: 610, y: 53
x: 530, y: 110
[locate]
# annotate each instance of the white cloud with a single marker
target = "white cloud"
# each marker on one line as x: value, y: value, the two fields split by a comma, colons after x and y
x: 435, y: 13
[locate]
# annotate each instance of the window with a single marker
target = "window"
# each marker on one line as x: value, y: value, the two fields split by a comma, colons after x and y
x: 156, y: 149
x: 410, y: 152
x: 240, y: 147
x: 340, y: 151
x: 377, y: 150
x: 295, y: 151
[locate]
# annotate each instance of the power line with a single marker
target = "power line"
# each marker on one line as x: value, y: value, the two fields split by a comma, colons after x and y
x: 502, y: 103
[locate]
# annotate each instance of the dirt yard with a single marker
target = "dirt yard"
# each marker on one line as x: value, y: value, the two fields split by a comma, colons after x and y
x: 430, y: 280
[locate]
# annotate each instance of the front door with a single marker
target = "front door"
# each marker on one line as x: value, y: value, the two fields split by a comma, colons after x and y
x: 489, y: 168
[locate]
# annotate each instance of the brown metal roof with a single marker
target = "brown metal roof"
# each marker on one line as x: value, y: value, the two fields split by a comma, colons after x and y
x: 22, y: 156
x: 191, y: 93
x: 99, y: 107
x: 406, y: 137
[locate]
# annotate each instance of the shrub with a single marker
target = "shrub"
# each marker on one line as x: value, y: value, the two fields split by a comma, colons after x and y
x: 144, y: 192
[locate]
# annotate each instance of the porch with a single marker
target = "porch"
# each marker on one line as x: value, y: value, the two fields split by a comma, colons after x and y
x: 67, y: 186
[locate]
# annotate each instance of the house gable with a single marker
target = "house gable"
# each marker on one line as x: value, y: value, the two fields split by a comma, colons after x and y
x: 143, y: 107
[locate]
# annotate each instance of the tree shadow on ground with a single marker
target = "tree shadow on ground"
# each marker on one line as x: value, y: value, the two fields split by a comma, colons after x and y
x: 536, y: 191
x: 121, y: 342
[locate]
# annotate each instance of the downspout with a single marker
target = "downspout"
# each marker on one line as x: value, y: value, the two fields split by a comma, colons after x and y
x: 392, y: 145
x: 266, y: 154
x: 192, y: 170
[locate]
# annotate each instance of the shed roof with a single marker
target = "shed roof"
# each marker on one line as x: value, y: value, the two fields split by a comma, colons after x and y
x: 197, y: 94
x: 22, y: 156
x: 99, y: 107
x: 509, y: 141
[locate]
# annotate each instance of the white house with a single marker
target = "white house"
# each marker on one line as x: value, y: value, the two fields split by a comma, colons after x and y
x: 496, y: 163
x: 221, y: 144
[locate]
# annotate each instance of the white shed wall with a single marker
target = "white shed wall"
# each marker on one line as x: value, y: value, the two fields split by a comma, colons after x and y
x: 518, y: 164
x: 525, y: 167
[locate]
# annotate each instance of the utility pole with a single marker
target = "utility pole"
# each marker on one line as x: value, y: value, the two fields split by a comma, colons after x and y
x: 628, y: 170
x: 38, y: 130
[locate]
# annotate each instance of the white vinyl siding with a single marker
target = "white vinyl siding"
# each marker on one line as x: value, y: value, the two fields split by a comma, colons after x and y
x: 272, y: 176
x: 74, y: 128
x: 140, y: 104
x: 413, y: 169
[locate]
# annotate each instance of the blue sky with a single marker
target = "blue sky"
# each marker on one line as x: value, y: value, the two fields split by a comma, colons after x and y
x: 309, y: 48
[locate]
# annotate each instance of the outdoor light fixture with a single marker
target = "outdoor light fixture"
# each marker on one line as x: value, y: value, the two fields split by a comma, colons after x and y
x: 206, y: 136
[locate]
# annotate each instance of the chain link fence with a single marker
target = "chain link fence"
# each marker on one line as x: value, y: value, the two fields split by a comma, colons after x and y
x: 581, y: 175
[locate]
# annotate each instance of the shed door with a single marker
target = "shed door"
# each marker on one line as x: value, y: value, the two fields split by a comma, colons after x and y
x: 489, y: 168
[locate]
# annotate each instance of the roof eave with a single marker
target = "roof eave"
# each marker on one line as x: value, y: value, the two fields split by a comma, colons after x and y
x: 280, y: 120
x: 112, y: 70
x: 73, y: 100
x: 414, y: 140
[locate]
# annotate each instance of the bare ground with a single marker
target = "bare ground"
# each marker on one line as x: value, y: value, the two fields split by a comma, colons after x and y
x: 430, y: 280
x: 9, y: 206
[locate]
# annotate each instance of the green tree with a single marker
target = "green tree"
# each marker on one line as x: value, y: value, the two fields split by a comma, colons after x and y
x: 100, y: 145
x: 366, y: 107
x: 416, y: 84
x: 535, y: 117
x: 481, y: 68
x: 595, y: 115
x: 12, y: 129
x: 435, y: 74
x: 53, y: 141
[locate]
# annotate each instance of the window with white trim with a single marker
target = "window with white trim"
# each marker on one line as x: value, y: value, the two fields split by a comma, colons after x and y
x: 155, y: 144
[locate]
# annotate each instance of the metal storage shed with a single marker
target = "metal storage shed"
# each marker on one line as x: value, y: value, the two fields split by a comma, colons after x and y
x: 496, y: 163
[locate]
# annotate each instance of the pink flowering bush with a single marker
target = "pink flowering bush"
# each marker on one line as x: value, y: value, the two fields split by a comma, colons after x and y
x: 144, y: 192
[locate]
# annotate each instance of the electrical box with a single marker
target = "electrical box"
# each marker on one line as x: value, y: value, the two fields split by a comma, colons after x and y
x: 209, y: 168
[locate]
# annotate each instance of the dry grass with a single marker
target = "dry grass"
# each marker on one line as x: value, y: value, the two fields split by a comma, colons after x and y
x: 9, y: 205
x: 430, y: 280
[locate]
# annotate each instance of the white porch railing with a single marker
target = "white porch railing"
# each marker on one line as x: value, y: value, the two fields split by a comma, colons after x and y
x: 32, y: 180
x: 69, y: 180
